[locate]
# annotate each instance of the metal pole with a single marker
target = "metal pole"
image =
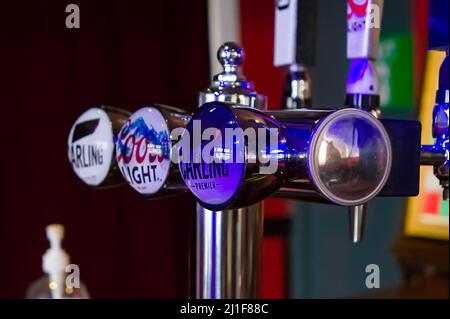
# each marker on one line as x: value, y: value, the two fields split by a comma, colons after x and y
x: 229, y: 245
x: 229, y: 242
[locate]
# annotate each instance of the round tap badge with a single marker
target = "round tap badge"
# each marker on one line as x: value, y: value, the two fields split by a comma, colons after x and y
x: 350, y: 157
x: 91, y: 146
x: 212, y: 169
x: 143, y: 150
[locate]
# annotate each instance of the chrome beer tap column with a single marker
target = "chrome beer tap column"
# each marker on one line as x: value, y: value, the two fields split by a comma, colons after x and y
x: 228, y: 252
x: 437, y: 155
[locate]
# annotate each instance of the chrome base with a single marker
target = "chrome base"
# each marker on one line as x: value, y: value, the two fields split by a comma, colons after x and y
x: 229, y: 246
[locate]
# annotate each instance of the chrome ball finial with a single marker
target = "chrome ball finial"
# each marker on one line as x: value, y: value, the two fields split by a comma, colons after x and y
x: 230, y: 85
x: 231, y: 54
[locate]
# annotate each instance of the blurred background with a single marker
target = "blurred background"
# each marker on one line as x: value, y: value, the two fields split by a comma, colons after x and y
x: 132, y: 53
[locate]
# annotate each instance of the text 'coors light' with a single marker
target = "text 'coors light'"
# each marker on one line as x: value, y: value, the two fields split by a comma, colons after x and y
x: 144, y: 148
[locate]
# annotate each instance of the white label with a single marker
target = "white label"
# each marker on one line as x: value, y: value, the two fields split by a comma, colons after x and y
x: 143, y: 150
x: 91, y: 146
x: 363, y: 28
x: 285, y: 32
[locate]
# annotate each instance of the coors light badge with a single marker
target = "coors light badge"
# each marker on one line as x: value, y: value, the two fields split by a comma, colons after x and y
x: 143, y: 150
x: 363, y: 31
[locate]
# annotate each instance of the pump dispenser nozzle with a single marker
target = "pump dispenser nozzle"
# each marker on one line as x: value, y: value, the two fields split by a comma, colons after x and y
x: 53, y: 284
x: 55, y: 260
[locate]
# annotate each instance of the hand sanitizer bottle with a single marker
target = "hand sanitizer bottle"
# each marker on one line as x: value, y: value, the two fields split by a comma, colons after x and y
x: 56, y: 284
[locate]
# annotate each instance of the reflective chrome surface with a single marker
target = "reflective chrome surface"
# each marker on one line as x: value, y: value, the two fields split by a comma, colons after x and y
x: 118, y: 117
x: 357, y: 218
x: 229, y: 245
x: 243, y: 181
x: 297, y: 88
x: 440, y: 125
x: 230, y: 86
x: 438, y: 154
x: 229, y: 242
x: 350, y: 157
x: 343, y: 157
